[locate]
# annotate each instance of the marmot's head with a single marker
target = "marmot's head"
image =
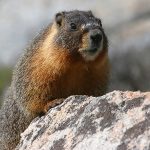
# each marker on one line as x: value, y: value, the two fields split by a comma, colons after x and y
x: 79, y: 33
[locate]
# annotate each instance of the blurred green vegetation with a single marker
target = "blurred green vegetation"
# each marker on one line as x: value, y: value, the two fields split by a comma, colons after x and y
x: 5, y: 78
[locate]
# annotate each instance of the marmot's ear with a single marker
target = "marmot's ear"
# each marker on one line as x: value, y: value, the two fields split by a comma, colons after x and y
x: 59, y: 18
x: 90, y: 12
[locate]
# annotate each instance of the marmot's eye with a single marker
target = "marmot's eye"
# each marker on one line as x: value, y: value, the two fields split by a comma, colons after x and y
x: 73, y: 26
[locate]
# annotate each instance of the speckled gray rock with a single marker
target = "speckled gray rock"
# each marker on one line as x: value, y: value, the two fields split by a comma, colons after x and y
x: 115, y: 121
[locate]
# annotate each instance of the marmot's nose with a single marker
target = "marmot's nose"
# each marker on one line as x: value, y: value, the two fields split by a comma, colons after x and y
x: 96, y: 36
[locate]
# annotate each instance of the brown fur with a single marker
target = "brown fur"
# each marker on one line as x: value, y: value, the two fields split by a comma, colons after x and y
x: 55, y: 70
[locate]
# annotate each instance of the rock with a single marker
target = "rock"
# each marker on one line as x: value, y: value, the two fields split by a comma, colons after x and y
x: 115, y: 121
x: 129, y: 54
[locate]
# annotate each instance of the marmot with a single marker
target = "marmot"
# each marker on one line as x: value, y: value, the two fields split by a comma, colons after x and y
x: 69, y: 57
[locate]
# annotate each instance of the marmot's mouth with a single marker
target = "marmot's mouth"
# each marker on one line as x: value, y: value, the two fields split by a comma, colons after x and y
x: 91, y: 51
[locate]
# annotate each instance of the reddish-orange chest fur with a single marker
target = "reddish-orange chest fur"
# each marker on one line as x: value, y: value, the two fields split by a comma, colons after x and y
x: 60, y: 77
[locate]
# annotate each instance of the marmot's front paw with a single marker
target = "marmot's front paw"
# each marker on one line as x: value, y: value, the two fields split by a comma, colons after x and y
x: 52, y: 104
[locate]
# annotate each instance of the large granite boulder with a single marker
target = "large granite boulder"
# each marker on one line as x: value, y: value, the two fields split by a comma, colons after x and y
x: 115, y: 121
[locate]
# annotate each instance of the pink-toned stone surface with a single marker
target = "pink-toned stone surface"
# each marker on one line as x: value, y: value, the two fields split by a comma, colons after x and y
x: 115, y: 121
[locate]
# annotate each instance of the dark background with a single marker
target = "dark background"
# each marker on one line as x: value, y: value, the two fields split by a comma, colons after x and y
x: 127, y: 24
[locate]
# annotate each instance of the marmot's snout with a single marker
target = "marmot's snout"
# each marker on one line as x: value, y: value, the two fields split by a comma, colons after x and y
x: 92, y: 43
x: 95, y: 37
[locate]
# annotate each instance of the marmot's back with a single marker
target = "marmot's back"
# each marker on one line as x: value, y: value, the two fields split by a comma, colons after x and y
x: 69, y: 57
